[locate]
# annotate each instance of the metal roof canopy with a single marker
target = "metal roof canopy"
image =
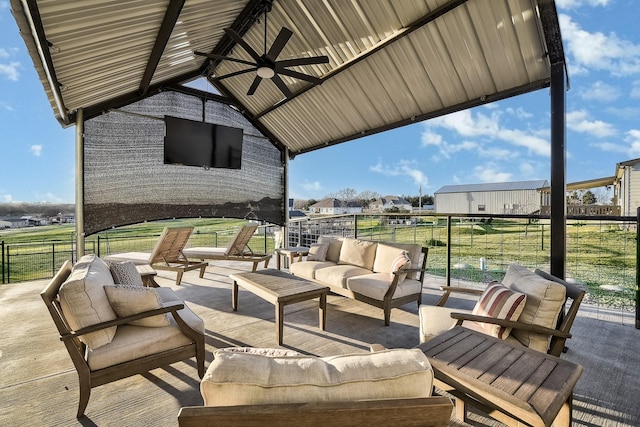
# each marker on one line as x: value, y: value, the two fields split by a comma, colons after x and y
x: 392, y: 62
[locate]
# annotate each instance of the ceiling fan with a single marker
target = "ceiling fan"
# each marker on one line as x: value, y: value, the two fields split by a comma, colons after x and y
x: 266, y: 66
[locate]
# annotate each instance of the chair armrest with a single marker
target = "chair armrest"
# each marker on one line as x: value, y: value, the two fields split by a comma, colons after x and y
x: 172, y: 307
x: 431, y: 411
x: 448, y: 290
x: 511, y: 324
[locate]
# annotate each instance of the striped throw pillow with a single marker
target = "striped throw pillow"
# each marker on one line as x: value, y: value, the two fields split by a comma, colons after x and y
x: 501, y: 303
x: 402, y: 261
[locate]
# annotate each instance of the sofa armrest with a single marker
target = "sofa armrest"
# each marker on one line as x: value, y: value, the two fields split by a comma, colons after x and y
x: 448, y: 290
x: 510, y: 324
x: 171, y: 307
x: 429, y: 411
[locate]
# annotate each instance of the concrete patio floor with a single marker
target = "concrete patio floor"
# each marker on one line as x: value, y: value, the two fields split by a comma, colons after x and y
x: 39, y: 385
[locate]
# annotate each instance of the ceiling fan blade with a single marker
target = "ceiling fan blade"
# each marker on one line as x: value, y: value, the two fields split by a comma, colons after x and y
x: 242, y: 43
x: 281, y: 40
x: 236, y: 73
x: 254, y: 85
x: 300, y: 76
x: 282, y: 86
x: 225, y: 58
x: 302, y: 61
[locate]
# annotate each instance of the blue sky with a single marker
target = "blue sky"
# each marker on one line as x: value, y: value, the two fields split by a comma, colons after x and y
x: 503, y: 141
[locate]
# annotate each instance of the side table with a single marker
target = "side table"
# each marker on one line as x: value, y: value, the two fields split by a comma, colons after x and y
x: 291, y: 253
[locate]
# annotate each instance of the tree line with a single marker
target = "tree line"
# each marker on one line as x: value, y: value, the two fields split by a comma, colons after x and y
x: 363, y: 198
x: 36, y: 209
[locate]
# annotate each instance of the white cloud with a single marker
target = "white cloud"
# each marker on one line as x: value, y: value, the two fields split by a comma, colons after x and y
x: 10, y: 71
x: 574, y: 4
x: 491, y: 173
x: 48, y: 197
x: 600, y: 91
x: 6, y: 198
x: 36, y: 150
x: 578, y: 121
x: 635, y: 89
x: 3, y: 53
x: 630, y: 148
x: 407, y: 168
x: 598, y: 51
x: 312, y: 186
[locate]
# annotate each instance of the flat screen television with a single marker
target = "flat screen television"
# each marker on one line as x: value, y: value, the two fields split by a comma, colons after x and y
x: 192, y: 143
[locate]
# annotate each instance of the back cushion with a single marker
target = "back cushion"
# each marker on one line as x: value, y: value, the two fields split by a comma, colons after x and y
x: 254, y: 379
x: 84, y: 301
x: 360, y: 253
x: 414, y: 251
x: 385, y: 256
x: 335, y: 244
x: 545, y: 299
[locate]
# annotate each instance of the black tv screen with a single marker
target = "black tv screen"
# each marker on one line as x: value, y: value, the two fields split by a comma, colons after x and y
x: 192, y: 143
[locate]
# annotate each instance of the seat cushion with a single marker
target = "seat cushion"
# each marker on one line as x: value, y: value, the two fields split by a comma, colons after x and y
x: 360, y: 253
x: 84, y: 301
x: 337, y: 275
x: 138, y: 258
x: 545, y: 300
x: 376, y: 285
x: 307, y: 269
x: 499, y: 302
x: 435, y: 320
x: 251, y: 379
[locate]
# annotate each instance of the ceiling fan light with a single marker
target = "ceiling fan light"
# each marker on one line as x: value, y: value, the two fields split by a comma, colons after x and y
x: 265, y: 72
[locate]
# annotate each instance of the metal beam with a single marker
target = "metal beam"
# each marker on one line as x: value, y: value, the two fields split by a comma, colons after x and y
x: 558, y: 171
x: 79, y: 184
x: 168, y: 23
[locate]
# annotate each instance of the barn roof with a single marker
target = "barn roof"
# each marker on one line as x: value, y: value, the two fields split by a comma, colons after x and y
x: 391, y: 62
x: 496, y: 186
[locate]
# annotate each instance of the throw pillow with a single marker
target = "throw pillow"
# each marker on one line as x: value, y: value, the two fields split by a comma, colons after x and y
x: 501, y: 303
x: 318, y: 252
x: 125, y: 273
x: 402, y: 261
x: 128, y: 300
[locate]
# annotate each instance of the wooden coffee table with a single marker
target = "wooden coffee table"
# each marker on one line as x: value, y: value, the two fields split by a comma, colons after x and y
x: 280, y: 289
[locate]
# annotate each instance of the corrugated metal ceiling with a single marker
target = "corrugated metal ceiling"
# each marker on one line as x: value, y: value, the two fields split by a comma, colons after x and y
x: 391, y: 62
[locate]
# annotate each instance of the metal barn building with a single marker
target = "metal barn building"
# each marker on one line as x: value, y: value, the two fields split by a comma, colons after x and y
x: 522, y: 197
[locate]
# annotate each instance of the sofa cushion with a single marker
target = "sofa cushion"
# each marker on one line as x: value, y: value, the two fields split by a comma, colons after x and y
x: 253, y: 379
x: 335, y: 244
x: 376, y: 285
x: 307, y: 269
x: 84, y: 301
x: 385, y: 256
x: 337, y: 275
x: 125, y: 273
x: 499, y: 302
x: 360, y: 253
x: 545, y: 300
x: 127, y: 300
x: 318, y: 252
x: 415, y: 253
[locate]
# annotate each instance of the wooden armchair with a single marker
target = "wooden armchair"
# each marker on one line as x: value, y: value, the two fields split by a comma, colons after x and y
x: 554, y: 328
x: 104, y: 365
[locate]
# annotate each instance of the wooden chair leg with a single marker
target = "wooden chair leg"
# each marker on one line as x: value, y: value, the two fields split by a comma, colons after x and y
x: 202, y: 269
x: 387, y: 316
x: 179, y: 277
x: 461, y: 410
x: 84, y: 383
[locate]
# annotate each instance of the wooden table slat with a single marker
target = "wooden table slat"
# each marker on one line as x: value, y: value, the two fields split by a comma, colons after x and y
x: 509, y: 356
x: 517, y: 373
x: 534, y: 382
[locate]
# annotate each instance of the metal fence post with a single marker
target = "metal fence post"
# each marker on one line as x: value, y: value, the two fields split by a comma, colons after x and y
x: 53, y: 259
x: 355, y: 226
x: 448, y: 272
x: 2, y: 247
x: 638, y: 269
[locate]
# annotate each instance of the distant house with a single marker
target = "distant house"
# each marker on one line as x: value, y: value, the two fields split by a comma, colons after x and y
x: 15, y: 222
x: 333, y: 206
x: 522, y: 197
x: 390, y: 202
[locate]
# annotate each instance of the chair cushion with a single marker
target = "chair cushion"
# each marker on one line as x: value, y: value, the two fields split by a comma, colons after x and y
x: 499, y: 302
x: 545, y: 300
x: 376, y: 285
x: 307, y: 269
x: 337, y: 275
x: 335, y: 244
x: 318, y: 252
x: 435, y: 320
x: 385, y: 257
x: 84, y: 301
x: 251, y: 379
x: 125, y: 273
x: 415, y: 253
x: 360, y: 253
x: 127, y: 300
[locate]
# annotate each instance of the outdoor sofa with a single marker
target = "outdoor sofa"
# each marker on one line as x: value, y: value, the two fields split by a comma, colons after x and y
x: 385, y: 275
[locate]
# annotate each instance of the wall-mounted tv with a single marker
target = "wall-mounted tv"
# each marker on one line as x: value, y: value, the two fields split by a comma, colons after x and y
x: 192, y: 143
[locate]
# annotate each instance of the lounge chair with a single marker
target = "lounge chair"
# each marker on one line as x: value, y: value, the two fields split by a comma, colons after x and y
x: 237, y: 250
x: 167, y: 254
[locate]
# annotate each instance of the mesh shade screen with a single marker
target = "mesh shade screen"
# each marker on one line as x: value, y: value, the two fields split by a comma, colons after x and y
x: 126, y: 180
